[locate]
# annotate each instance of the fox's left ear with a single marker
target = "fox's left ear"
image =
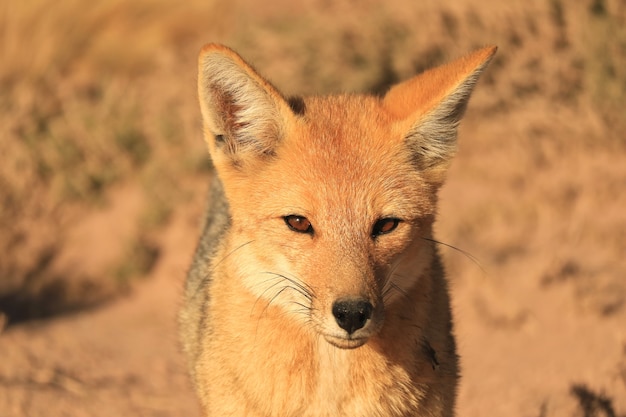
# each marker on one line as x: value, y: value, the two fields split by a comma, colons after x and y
x: 430, y: 106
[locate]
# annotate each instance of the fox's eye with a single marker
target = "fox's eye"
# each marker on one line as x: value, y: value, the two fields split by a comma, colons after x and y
x: 299, y: 224
x: 384, y: 226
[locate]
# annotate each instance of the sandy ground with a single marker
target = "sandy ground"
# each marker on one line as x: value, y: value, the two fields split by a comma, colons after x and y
x: 120, y: 359
x: 535, y: 201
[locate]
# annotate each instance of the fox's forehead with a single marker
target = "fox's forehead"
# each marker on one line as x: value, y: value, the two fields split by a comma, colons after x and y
x: 349, y: 122
x: 353, y: 131
x: 345, y: 155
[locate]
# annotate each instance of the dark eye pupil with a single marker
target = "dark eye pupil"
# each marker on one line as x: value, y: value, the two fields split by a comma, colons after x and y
x: 299, y: 224
x: 384, y: 226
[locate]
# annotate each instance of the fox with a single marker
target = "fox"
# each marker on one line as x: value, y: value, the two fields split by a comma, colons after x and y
x: 317, y: 288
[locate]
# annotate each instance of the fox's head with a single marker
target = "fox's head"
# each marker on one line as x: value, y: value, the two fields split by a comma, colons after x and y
x: 332, y: 199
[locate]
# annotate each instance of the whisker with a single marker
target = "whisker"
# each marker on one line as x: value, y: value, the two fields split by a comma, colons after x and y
x: 389, y: 285
x: 301, y: 284
x: 230, y: 253
x: 288, y: 283
x: 301, y: 305
x: 303, y: 288
x: 265, y: 291
x: 208, y: 275
x: 274, y: 298
x: 392, y: 272
x: 394, y: 287
x: 467, y: 254
x: 402, y: 291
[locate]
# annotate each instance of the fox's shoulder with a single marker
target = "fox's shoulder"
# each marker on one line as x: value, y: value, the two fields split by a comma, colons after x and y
x: 216, y: 223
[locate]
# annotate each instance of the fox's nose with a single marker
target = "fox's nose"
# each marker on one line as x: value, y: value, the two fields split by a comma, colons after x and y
x: 351, y: 315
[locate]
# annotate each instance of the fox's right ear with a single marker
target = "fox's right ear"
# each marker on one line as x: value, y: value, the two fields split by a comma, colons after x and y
x: 244, y: 115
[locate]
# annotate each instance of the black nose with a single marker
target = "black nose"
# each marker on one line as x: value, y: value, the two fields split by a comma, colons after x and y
x: 351, y: 315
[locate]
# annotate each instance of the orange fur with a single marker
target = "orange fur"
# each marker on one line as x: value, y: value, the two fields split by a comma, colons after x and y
x: 264, y: 322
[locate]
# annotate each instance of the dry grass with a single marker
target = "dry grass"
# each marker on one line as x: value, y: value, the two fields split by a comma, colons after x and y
x: 91, y: 98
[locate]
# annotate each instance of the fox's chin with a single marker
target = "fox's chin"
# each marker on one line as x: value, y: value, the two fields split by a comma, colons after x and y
x: 345, y: 343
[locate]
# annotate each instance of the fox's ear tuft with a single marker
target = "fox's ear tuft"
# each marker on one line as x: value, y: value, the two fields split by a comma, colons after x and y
x: 431, y: 105
x: 244, y: 115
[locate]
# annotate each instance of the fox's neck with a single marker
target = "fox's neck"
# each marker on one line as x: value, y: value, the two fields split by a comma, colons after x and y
x: 294, y: 369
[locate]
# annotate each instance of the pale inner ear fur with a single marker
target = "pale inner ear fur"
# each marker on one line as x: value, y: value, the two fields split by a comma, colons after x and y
x: 433, y: 138
x: 237, y: 109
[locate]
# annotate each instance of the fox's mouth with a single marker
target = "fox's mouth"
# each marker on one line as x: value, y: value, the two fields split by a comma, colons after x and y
x: 346, y: 342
